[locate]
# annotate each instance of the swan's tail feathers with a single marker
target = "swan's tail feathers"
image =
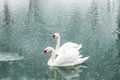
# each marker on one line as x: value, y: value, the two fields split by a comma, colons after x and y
x: 80, y: 46
x: 80, y: 56
x: 81, y: 60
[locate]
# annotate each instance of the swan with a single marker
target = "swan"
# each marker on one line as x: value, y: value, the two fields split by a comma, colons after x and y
x: 63, y: 59
x: 68, y: 45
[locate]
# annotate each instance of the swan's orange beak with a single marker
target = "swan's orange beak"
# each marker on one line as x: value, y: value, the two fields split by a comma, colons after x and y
x: 44, y: 52
x: 53, y: 37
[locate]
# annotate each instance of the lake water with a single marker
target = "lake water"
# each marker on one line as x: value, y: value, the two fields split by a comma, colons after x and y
x: 26, y: 27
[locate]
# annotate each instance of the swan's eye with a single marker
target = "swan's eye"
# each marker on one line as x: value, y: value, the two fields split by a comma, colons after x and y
x: 44, y: 52
x: 53, y: 36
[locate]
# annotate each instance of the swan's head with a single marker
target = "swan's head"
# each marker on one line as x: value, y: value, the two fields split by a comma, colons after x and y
x: 46, y: 50
x: 55, y: 35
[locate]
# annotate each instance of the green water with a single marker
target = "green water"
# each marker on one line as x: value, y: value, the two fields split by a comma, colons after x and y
x: 26, y: 27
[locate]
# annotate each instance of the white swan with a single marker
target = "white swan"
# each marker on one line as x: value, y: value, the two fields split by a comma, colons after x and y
x: 68, y: 45
x: 63, y: 59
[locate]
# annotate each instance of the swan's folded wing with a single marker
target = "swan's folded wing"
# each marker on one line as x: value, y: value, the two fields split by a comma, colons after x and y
x: 70, y: 45
x: 81, y: 60
x: 67, y: 58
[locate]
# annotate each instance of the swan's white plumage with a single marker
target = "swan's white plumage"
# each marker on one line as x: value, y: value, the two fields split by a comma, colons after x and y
x: 69, y: 59
x: 70, y: 46
x: 67, y: 55
x: 66, y: 46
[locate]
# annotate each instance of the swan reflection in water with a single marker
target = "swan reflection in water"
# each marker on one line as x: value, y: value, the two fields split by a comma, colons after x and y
x: 66, y: 72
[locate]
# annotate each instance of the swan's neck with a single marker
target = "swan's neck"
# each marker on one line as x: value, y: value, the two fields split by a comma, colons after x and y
x: 52, y: 58
x: 58, y: 43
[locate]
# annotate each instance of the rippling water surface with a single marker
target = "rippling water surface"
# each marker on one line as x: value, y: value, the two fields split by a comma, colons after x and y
x: 26, y: 27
